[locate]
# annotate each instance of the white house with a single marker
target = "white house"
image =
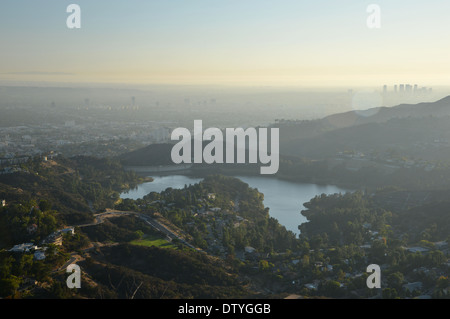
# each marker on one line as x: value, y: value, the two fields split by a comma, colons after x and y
x: 22, y: 247
x: 70, y: 230
x: 211, y: 196
x: 250, y: 250
x: 314, y: 285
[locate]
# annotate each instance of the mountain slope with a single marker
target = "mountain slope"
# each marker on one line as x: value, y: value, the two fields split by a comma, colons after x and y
x: 413, y: 128
x: 384, y: 114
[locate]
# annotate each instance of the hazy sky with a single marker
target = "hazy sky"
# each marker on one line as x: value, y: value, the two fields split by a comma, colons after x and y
x: 277, y: 42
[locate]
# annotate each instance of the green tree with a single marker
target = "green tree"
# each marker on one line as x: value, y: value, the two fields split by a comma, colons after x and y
x: 45, y: 205
x: 389, y: 293
x: 9, y: 285
x: 139, y: 234
x: 435, y: 258
x: 331, y: 288
x: 443, y: 282
x: 263, y: 265
x: 378, y: 251
x: 6, y: 264
x: 24, y: 265
x: 395, y: 280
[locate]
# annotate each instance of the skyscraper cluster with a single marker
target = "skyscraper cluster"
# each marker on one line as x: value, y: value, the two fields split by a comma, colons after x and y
x: 407, y: 89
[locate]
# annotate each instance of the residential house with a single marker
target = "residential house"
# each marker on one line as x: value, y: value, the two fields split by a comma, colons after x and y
x: 211, y: 196
x: 314, y: 285
x: 418, y: 249
x: 39, y: 255
x: 249, y: 250
x: 411, y: 287
x: 69, y: 230
x: 26, y: 247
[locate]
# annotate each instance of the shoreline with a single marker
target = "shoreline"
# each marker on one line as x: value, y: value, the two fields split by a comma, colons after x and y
x: 148, y: 171
x: 279, y: 214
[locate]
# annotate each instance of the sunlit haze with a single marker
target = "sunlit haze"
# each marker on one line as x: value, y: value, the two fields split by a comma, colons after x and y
x: 253, y: 42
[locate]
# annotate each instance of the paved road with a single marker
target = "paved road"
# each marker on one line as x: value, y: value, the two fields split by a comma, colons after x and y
x: 161, y: 228
x: 100, y: 218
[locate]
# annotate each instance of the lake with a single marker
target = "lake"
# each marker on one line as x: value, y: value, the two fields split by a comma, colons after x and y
x: 285, y: 199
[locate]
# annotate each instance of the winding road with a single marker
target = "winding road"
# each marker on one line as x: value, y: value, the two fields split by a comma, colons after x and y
x: 110, y: 213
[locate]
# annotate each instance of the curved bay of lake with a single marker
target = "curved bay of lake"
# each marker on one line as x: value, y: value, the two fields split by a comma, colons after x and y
x: 284, y: 198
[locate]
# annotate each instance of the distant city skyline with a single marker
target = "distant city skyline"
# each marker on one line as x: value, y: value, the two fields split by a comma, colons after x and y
x: 406, y: 88
x: 253, y: 42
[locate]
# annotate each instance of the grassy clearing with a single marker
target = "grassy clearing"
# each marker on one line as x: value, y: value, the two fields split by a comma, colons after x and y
x: 153, y: 240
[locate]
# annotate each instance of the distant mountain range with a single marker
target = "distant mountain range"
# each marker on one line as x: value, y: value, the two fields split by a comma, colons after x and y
x: 409, y: 128
x: 384, y: 114
x: 418, y: 130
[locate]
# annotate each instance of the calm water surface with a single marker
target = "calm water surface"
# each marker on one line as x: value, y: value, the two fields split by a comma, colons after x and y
x: 285, y: 199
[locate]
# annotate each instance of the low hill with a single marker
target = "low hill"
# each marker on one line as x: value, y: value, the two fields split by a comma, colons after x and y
x: 418, y: 137
x: 152, y: 155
